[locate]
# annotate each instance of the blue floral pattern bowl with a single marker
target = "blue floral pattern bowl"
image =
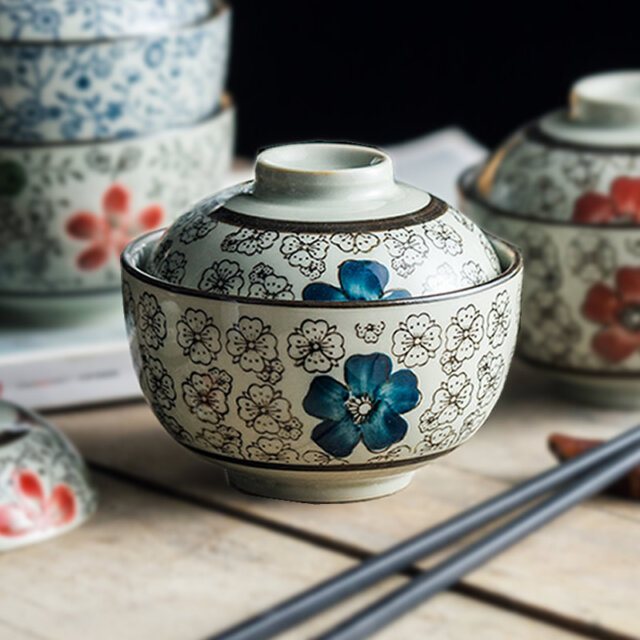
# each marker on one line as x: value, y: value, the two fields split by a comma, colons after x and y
x: 330, y: 385
x: 113, y: 89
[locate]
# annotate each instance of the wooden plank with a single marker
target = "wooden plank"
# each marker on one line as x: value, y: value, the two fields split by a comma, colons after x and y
x: 149, y: 566
x: 581, y: 570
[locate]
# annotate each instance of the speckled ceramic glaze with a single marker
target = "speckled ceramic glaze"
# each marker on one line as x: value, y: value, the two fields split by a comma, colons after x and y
x: 67, y: 211
x: 46, y: 20
x: 566, y: 189
x: 325, y: 385
x: 113, y: 89
x: 44, y: 487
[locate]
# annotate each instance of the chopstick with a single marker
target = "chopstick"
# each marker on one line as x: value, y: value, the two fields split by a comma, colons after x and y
x: 399, y: 557
x: 448, y: 572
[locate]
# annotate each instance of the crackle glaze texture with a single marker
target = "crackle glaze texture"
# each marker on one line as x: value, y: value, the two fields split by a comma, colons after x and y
x: 311, y: 386
x: 67, y: 211
x: 44, y: 487
x: 113, y: 89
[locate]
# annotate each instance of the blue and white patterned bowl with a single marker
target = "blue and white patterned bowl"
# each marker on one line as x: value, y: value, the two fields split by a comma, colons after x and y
x: 59, y: 20
x: 113, y: 89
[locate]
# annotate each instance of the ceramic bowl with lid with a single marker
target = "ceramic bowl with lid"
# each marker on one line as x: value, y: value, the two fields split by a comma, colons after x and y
x: 322, y: 331
x: 566, y: 190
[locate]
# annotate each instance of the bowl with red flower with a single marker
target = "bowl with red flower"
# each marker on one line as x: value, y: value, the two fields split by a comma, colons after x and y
x: 566, y: 190
x: 322, y: 331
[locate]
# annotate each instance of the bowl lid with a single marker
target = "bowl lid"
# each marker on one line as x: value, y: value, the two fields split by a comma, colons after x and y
x: 574, y: 165
x: 323, y: 221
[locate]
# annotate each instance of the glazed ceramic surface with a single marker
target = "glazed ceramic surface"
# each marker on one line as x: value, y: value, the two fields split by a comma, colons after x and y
x: 67, y: 211
x: 298, y: 386
x: 46, y: 20
x: 113, y: 89
x: 44, y: 486
x: 317, y: 239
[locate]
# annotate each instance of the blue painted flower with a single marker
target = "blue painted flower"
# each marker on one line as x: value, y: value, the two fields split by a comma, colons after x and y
x: 359, y: 280
x: 366, y: 408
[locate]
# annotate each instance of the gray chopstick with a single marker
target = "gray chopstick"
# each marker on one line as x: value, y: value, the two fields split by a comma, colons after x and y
x: 447, y: 573
x: 330, y: 592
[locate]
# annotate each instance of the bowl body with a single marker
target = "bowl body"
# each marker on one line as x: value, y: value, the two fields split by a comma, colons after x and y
x: 580, y: 311
x: 113, y: 89
x: 44, y: 486
x: 68, y: 210
x: 60, y: 20
x: 316, y: 401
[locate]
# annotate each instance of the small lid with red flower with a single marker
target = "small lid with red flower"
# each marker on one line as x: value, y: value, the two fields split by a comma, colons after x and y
x: 580, y: 164
x: 324, y: 222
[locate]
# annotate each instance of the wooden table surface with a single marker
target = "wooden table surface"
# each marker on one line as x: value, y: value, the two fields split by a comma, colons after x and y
x: 174, y: 553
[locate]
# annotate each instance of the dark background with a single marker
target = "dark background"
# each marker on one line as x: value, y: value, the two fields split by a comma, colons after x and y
x: 387, y: 72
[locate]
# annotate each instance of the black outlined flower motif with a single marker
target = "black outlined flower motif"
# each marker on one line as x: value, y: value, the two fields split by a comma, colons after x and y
x: 591, y: 257
x: 172, y: 268
x: 265, y: 284
x: 266, y: 449
x: 407, y: 249
x: 223, y: 440
x: 460, y: 218
x: 449, y: 401
x: 198, y: 336
x: 272, y: 372
x: 152, y: 323
x: 176, y: 430
x: 392, y: 454
x: 355, y: 242
x: 550, y: 331
x: 316, y: 346
x: 443, y: 237
x: 251, y: 344
x: 465, y: 332
x: 370, y: 332
x: 473, y: 274
x: 223, y: 277
x: 197, y: 226
x: 547, y: 199
x: 491, y: 369
x: 444, y: 278
x: 250, y: 242
x: 159, y: 383
x: 489, y: 251
x: 582, y: 169
x: 416, y: 340
x: 306, y: 252
x: 291, y: 430
x: 499, y: 319
x: 264, y: 409
x: 206, y: 394
x: 540, y: 254
x: 437, y: 438
x: 471, y: 424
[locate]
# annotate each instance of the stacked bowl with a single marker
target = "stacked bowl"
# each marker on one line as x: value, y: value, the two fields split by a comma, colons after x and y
x: 112, y: 120
x: 566, y: 189
x: 322, y: 331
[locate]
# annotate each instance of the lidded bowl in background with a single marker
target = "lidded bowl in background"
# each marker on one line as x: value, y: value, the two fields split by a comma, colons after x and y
x: 566, y: 189
x: 321, y: 331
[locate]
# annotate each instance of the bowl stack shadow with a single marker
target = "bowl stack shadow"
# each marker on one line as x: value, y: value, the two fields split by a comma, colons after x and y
x: 113, y: 120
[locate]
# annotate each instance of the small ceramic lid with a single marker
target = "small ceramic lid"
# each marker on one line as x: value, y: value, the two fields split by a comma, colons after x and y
x: 579, y: 164
x: 324, y: 221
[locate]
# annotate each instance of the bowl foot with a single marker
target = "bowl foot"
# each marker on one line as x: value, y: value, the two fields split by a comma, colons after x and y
x: 313, y: 486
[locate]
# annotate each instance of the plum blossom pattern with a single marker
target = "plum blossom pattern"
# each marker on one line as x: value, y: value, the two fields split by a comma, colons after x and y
x: 370, y: 332
x: 540, y: 254
x: 617, y: 310
x: 473, y: 274
x: 359, y: 280
x: 499, y: 319
x: 251, y: 344
x: 306, y: 252
x: 264, y: 409
x: 443, y: 237
x: 265, y: 284
x: 249, y: 242
x: 491, y: 369
x: 205, y: 394
x: 621, y: 204
x: 444, y: 278
x: 591, y: 257
x: 152, y: 323
x: 159, y: 382
x: 408, y: 250
x: 34, y: 510
x: 223, y: 277
x: 316, y: 346
x: 440, y: 437
x: 173, y: 268
x: 108, y: 232
x: 355, y: 242
x: 198, y: 336
x: 366, y: 408
x: 271, y: 449
x: 222, y: 439
x: 449, y: 402
x: 416, y: 340
x: 464, y: 334
x: 198, y: 225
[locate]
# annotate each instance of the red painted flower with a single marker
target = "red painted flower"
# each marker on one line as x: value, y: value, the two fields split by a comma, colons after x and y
x: 111, y: 231
x: 619, y: 311
x: 621, y: 204
x: 33, y: 510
